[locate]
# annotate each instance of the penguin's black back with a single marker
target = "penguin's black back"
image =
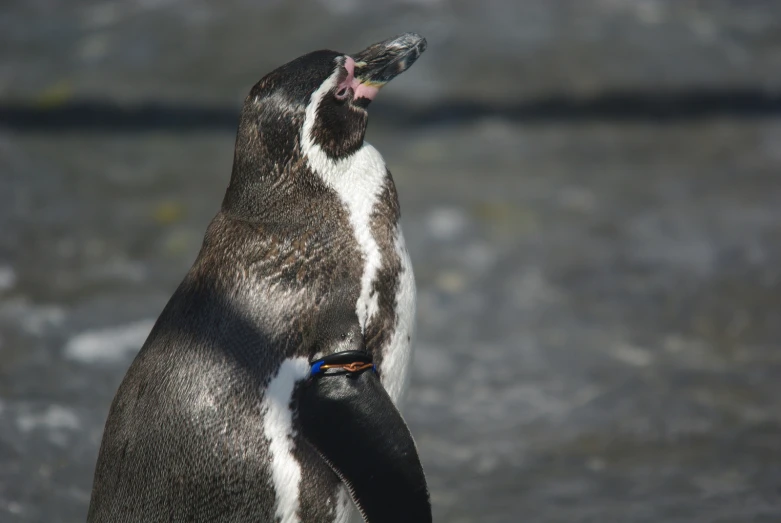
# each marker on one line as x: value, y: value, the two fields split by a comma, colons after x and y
x: 184, y: 439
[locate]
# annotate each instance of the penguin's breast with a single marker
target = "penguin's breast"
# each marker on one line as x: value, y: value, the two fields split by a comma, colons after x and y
x: 389, y: 329
x: 398, y: 323
x: 385, y: 305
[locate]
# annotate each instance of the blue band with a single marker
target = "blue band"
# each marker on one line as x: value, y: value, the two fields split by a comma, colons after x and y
x: 349, y: 361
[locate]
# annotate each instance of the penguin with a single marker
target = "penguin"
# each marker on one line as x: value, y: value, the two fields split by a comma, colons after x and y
x: 268, y: 388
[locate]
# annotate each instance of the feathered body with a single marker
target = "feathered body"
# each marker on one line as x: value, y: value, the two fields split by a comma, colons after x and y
x: 204, y: 426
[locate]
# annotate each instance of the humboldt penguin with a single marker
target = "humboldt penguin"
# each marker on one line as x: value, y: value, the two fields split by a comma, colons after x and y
x: 268, y: 389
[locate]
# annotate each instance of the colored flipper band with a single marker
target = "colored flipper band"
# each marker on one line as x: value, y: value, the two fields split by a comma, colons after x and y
x: 349, y: 361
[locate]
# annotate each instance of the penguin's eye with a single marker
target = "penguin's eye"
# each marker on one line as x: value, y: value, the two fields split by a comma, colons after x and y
x: 342, y: 93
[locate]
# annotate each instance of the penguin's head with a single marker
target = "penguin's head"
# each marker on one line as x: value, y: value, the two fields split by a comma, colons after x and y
x: 320, y: 99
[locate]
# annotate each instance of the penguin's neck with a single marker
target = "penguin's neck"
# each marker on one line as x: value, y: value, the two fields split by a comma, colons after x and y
x: 358, y: 180
x: 267, y: 170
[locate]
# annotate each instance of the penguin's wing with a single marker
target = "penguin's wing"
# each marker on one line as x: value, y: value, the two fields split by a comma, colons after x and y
x: 352, y: 422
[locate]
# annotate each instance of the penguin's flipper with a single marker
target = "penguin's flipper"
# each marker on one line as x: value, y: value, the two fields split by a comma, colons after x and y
x: 352, y: 422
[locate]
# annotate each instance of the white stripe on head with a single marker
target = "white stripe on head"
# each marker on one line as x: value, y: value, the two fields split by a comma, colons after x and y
x: 278, y: 428
x: 358, y: 180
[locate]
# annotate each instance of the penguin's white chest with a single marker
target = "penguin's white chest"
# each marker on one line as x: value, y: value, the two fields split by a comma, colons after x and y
x: 359, y: 181
x: 397, y: 355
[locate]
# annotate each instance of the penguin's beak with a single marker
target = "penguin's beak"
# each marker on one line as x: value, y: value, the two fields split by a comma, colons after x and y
x: 380, y: 63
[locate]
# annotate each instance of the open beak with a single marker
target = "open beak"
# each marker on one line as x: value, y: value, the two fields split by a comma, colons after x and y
x: 380, y: 63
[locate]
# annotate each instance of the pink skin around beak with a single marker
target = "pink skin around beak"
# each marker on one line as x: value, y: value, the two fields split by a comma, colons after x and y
x: 359, y: 90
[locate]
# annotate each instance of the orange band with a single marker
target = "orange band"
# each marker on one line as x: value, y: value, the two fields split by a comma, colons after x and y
x: 349, y: 367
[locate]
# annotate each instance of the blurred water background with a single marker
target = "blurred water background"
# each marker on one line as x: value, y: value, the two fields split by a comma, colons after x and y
x: 591, y: 194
